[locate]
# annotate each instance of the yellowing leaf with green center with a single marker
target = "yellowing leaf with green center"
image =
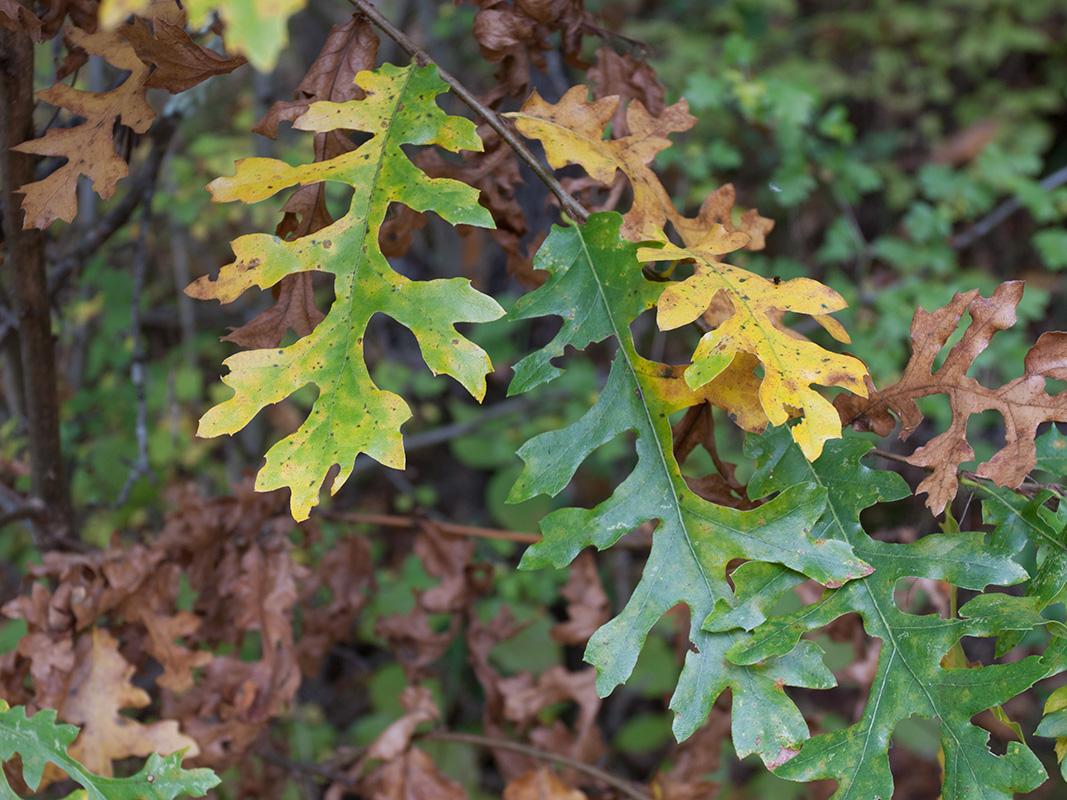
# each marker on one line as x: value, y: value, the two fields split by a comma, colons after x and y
x: 257, y: 29
x: 351, y: 414
x: 790, y: 363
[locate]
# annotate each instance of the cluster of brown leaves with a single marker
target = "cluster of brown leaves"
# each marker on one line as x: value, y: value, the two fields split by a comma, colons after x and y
x: 513, y: 35
x: 158, y: 54
x: 522, y: 708
x: 104, y: 625
x: 1023, y: 402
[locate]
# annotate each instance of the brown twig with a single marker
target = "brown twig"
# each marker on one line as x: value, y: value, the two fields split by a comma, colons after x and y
x: 451, y: 528
x: 307, y: 768
x: 569, y: 205
x: 492, y: 743
x: 1002, y: 212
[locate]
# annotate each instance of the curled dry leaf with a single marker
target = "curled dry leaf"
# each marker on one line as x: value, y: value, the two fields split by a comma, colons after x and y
x: 525, y: 697
x: 697, y: 428
x: 419, y: 707
x: 234, y: 555
x: 587, y: 603
x: 1022, y: 402
x: 412, y: 776
x: 180, y: 63
x: 514, y: 35
x: 629, y: 79
x: 694, y: 759
x: 540, y: 784
x: 16, y: 17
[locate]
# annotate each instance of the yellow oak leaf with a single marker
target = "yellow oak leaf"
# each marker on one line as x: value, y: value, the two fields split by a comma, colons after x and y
x: 791, y: 364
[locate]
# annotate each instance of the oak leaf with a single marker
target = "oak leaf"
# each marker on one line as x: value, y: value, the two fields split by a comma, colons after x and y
x: 14, y: 16
x: 257, y: 29
x: 180, y: 63
x: 540, y: 784
x: 628, y: 79
x: 1023, y: 402
x: 419, y: 707
x: 349, y: 48
x: 514, y: 35
x: 89, y: 147
x: 41, y: 743
x: 572, y: 132
x: 791, y: 364
x: 597, y: 287
x: 414, y: 776
x: 587, y: 603
x: 100, y: 688
x: 912, y: 676
x: 351, y: 414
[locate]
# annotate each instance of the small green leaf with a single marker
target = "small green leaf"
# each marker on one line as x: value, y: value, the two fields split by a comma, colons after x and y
x: 39, y: 740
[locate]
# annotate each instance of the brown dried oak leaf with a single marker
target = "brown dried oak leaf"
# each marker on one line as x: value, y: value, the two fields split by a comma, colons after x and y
x: 513, y: 35
x: 1023, y: 402
x: 540, y: 784
x: 180, y: 62
x: 89, y: 147
x: 100, y: 688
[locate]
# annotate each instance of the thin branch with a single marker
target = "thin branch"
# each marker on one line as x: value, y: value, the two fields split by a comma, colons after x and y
x: 141, y: 468
x: 494, y: 743
x: 306, y: 768
x: 1002, y: 212
x: 25, y: 512
x: 569, y: 205
x: 450, y: 528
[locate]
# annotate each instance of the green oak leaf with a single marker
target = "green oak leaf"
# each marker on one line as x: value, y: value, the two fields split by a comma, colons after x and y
x: 910, y: 679
x: 595, y: 284
x: 352, y: 415
x: 1038, y: 534
x: 1052, y: 452
x: 39, y: 740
